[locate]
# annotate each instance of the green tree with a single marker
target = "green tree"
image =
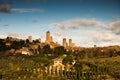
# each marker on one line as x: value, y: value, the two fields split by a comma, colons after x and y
x: 47, y: 49
x: 22, y: 43
x: 16, y: 45
x: 39, y: 49
x: 59, y: 50
x: 27, y: 40
x: 2, y: 45
x: 45, y: 61
x: 67, y: 59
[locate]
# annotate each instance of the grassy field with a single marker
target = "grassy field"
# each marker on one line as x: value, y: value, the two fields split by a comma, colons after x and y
x: 112, y: 59
x: 20, y: 67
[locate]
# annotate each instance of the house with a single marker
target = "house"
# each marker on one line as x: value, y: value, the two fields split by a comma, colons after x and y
x: 56, y: 66
x: 25, y: 51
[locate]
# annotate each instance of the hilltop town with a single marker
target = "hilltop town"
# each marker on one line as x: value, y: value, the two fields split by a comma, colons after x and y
x: 34, y: 60
x: 30, y: 46
x: 19, y: 46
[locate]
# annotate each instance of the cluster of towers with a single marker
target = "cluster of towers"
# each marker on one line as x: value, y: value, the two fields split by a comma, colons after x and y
x: 49, y: 39
x: 70, y: 43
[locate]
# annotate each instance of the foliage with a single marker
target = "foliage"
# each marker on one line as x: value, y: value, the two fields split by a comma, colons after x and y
x: 2, y: 45
x: 24, y: 68
x: 68, y: 59
x: 42, y: 60
x: 47, y: 49
x: 59, y: 50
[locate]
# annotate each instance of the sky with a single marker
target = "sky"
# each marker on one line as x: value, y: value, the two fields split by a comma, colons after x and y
x: 86, y: 22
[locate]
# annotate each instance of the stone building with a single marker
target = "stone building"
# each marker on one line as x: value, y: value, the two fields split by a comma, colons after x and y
x: 64, y: 42
x: 57, y: 65
x: 70, y: 42
x: 30, y: 38
x: 51, y: 39
x: 48, y: 37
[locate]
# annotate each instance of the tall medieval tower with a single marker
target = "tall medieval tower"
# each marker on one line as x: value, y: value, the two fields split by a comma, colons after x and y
x: 64, y: 42
x: 51, y: 39
x: 70, y: 42
x: 30, y: 38
x: 48, y: 37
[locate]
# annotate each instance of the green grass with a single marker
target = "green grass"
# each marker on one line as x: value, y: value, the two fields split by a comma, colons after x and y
x: 21, y: 67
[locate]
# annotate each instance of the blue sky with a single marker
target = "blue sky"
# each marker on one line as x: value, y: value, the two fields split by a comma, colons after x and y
x: 87, y: 22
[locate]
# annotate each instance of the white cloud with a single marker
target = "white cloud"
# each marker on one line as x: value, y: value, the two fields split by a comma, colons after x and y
x: 115, y: 26
x: 59, y: 34
x: 76, y: 23
x: 99, y: 38
x: 5, y: 8
x: 19, y: 35
x: 24, y: 10
x: 104, y: 36
x: 3, y: 35
x: 87, y: 32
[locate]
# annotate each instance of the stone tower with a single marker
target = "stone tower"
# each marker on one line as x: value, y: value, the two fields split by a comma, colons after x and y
x: 64, y: 42
x: 70, y: 42
x: 51, y: 39
x: 30, y: 38
x: 95, y: 46
x: 48, y: 38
